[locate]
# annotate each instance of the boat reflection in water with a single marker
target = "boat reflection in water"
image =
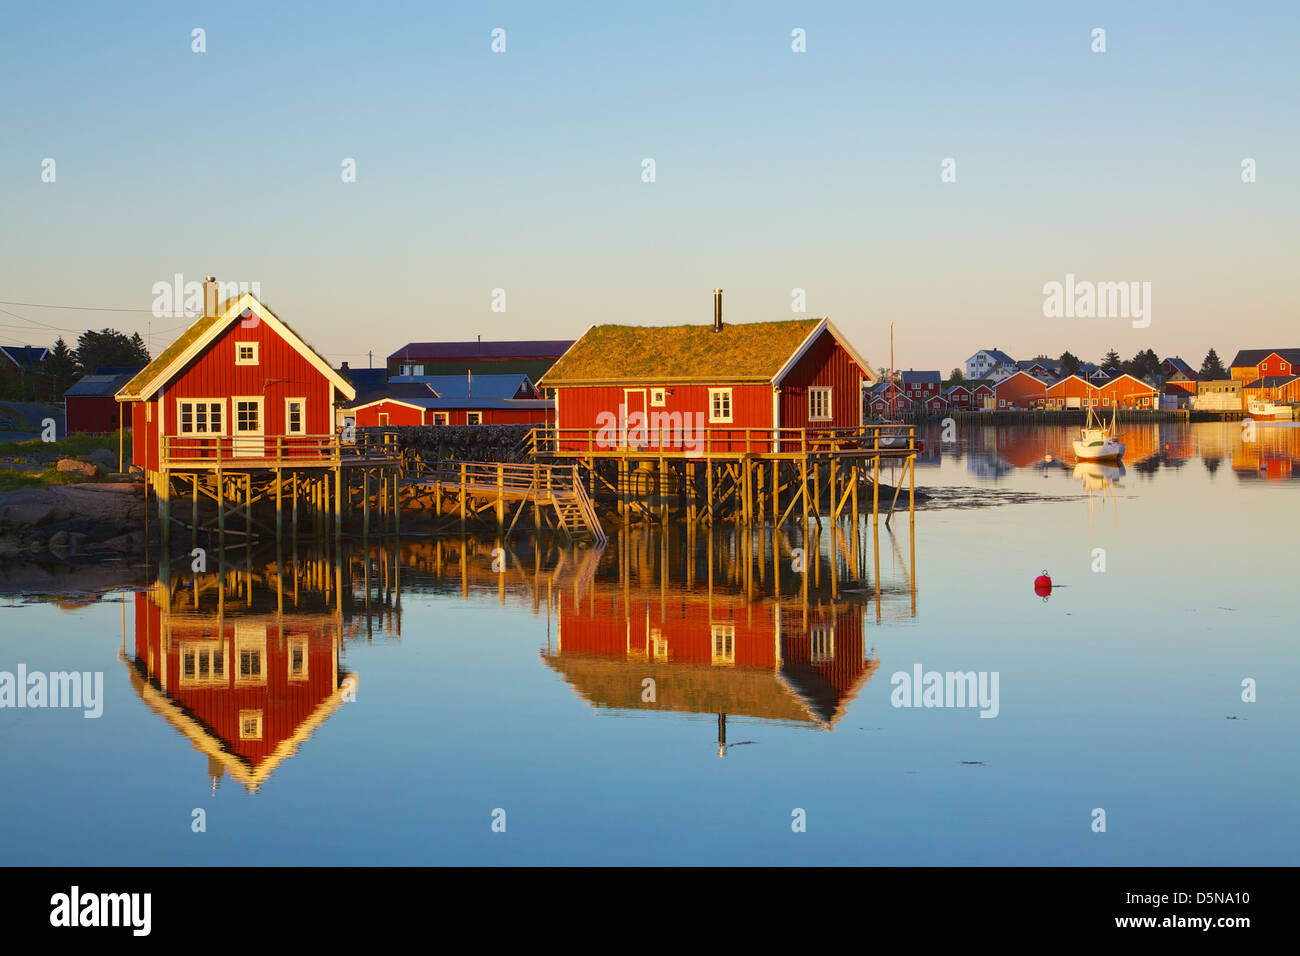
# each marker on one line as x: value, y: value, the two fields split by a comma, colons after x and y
x: 243, y: 661
x: 1096, y: 476
x: 722, y: 626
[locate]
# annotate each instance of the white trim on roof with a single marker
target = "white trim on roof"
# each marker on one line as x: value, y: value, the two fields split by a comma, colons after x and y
x: 233, y: 310
x: 390, y: 401
x: 824, y: 325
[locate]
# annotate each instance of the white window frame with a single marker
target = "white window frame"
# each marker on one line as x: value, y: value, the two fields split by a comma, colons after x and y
x: 821, y: 644
x: 298, y: 644
x: 722, y: 644
x: 658, y: 397
x: 820, y: 390
x: 250, y: 638
x: 441, y: 418
x: 205, y: 650
x: 194, y: 403
x: 240, y: 360
x: 302, y: 424
x: 256, y: 715
x: 382, y: 418
x: 725, y: 394
x: 473, y: 418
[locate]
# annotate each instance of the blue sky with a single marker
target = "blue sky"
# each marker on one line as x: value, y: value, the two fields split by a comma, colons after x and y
x: 774, y: 170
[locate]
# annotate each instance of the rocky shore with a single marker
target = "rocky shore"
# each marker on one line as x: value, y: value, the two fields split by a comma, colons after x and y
x: 72, y: 523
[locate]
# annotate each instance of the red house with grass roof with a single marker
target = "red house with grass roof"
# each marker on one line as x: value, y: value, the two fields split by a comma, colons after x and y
x: 660, y: 387
x: 238, y: 383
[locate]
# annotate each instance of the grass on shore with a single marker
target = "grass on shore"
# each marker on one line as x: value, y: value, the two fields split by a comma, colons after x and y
x: 16, y: 480
x: 73, y: 446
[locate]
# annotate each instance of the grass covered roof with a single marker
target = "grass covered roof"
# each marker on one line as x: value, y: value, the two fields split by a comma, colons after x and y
x: 755, y: 350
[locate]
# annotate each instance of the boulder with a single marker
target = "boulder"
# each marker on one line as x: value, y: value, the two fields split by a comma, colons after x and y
x: 105, y: 459
x: 86, y: 469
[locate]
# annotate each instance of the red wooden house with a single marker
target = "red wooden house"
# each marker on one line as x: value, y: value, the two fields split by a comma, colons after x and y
x: 1125, y: 391
x: 1279, y: 389
x: 387, y: 412
x: 960, y: 396
x: 712, y: 653
x: 1020, y: 391
x: 246, y: 687
x: 735, y: 387
x: 1073, y: 391
x: 491, y: 399
x: 882, y: 403
x: 1252, y: 364
x: 239, y: 384
x: 90, y: 404
x: 982, y: 395
x: 919, y: 386
x: 935, y: 404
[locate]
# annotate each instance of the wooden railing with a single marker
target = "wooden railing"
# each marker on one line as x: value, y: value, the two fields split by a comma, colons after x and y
x: 271, y: 451
x: 719, y: 440
x: 555, y: 486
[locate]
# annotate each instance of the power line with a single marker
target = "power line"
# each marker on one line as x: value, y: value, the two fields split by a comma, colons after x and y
x: 74, y: 308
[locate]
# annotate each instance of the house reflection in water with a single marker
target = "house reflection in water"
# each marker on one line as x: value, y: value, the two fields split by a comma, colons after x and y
x: 720, y: 631
x: 243, y: 662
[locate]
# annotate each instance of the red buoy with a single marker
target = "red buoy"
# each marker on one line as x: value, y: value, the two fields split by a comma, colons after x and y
x: 1043, y: 585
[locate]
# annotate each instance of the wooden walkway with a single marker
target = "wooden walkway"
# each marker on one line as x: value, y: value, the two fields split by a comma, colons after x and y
x: 487, y: 490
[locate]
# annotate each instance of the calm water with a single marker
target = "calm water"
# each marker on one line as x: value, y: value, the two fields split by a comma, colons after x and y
x: 380, y: 709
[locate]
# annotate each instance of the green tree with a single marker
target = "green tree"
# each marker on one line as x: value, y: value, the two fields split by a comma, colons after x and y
x: 1212, y: 367
x: 1069, y: 363
x: 1112, y: 361
x: 61, y: 367
x: 1142, y: 365
x: 109, y: 347
x: 957, y: 375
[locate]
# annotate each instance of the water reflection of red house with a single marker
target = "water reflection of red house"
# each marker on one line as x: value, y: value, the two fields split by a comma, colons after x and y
x: 246, y: 688
x: 1272, y: 454
x: 716, y: 655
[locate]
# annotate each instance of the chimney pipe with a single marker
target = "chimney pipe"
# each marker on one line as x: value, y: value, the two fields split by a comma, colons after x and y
x: 210, y: 295
x: 717, y: 310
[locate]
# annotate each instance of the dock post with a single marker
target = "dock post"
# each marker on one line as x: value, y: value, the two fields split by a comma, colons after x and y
x: 248, y: 511
x: 776, y: 495
x: 279, y: 508
x: 221, y: 510
x: 365, y: 503
x: 293, y: 522
x: 462, y: 500
x: 194, y: 514
x: 501, y: 503
x: 338, y: 502
x: 164, y: 516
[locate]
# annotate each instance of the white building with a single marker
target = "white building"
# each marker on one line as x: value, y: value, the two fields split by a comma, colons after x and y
x: 986, y: 361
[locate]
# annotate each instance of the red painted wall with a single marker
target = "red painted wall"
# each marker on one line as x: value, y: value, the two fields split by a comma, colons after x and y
x: 825, y: 363
x: 281, y: 373
x: 398, y: 414
x: 97, y: 413
x: 580, y: 407
x: 285, y: 704
x: 1019, y: 391
x: 1127, y: 392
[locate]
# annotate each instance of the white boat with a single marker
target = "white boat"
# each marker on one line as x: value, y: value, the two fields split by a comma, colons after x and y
x: 1098, y: 441
x: 1264, y: 410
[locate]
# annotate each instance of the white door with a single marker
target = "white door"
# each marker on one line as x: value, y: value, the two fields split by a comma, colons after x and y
x: 248, y: 427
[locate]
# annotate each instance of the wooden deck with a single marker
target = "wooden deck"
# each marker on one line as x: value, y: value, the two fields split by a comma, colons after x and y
x: 732, y: 444
x: 474, y: 489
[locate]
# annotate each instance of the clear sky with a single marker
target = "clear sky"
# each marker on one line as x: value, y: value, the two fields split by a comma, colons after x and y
x: 775, y: 170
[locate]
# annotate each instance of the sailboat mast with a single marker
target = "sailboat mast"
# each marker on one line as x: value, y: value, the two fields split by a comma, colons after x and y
x: 891, y: 371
